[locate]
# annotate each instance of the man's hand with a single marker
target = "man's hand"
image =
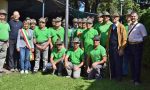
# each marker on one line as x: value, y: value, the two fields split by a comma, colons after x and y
x: 76, y: 68
x: 121, y: 52
x: 94, y: 64
x: 39, y: 47
x: 66, y: 64
x: 54, y: 67
x: 89, y: 70
x: 51, y: 47
x: 18, y: 49
x: 32, y: 50
x: 44, y: 47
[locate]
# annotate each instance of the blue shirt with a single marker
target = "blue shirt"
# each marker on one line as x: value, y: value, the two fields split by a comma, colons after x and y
x: 20, y: 39
x: 14, y: 28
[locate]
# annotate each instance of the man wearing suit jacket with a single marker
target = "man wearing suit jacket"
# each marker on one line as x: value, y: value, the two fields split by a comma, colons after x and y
x: 116, y: 44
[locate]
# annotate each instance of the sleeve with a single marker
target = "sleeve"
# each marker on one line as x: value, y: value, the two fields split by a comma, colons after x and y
x: 103, y: 52
x: 8, y: 27
x: 96, y: 32
x: 143, y: 30
x: 49, y: 32
x: 18, y: 39
x: 124, y: 35
x: 82, y: 55
x: 52, y: 54
x: 68, y: 53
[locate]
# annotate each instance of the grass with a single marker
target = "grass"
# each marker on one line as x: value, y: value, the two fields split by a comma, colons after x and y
x: 16, y: 81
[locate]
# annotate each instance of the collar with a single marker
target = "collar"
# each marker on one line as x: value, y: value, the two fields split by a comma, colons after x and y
x: 76, y: 49
x: 134, y: 23
x: 97, y: 47
x: 2, y: 21
x: 117, y: 24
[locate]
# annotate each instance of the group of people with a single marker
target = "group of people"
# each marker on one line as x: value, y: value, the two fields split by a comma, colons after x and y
x: 91, y: 45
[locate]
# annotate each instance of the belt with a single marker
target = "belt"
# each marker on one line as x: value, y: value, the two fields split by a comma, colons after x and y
x: 3, y: 41
x: 40, y: 42
x: 135, y: 42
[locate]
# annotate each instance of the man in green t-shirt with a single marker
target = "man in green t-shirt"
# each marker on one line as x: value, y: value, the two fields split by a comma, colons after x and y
x: 88, y: 35
x: 98, y: 58
x: 57, y: 57
x: 99, y: 23
x: 59, y: 30
x: 33, y: 25
x: 42, y: 40
x: 74, y: 59
x: 4, y: 36
x: 104, y: 29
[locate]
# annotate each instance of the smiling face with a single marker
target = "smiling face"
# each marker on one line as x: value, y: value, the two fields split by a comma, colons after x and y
x: 58, y: 23
x: 89, y: 25
x: 128, y: 18
x: 96, y: 42
x: 106, y: 18
x: 115, y: 19
x: 75, y: 45
x: 42, y: 24
x: 16, y: 15
x: 33, y: 26
x: 26, y: 25
x: 59, y: 46
x: 100, y: 19
x: 2, y: 17
x: 134, y: 17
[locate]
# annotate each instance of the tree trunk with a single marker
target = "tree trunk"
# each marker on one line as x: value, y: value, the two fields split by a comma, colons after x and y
x: 76, y: 4
x: 87, y: 6
x: 94, y: 6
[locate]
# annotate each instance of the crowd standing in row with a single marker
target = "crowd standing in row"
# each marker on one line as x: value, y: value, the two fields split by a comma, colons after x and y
x: 90, y: 45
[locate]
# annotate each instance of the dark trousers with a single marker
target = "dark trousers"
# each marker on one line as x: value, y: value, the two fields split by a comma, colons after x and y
x: 13, y: 55
x: 115, y: 63
x: 125, y: 65
x: 135, y: 58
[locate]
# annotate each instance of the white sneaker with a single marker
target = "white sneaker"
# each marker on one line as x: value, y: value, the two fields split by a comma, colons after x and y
x: 26, y: 72
x: 22, y: 71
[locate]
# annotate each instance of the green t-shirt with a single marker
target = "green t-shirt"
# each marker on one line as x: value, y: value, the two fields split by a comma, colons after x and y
x: 126, y: 27
x: 97, y: 26
x: 57, y: 55
x: 36, y: 27
x: 53, y: 35
x: 79, y: 30
x: 76, y: 56
x: 87, y: 38
x: 60, y: 32
x: 4, y: 31
x: 97, y: 53
x: 41, y: 35
x: 103, y: 30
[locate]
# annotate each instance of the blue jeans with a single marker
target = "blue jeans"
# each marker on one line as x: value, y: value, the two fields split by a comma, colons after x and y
x: 24, y: 58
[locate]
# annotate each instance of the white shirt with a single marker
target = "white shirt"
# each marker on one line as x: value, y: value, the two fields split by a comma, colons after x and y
x: 137, y: 33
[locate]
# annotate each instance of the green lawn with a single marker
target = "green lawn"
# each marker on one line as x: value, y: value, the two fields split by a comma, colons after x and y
x: 16, y: 81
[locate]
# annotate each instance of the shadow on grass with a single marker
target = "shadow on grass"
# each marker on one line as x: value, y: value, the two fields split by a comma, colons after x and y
x: 125, y: 84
